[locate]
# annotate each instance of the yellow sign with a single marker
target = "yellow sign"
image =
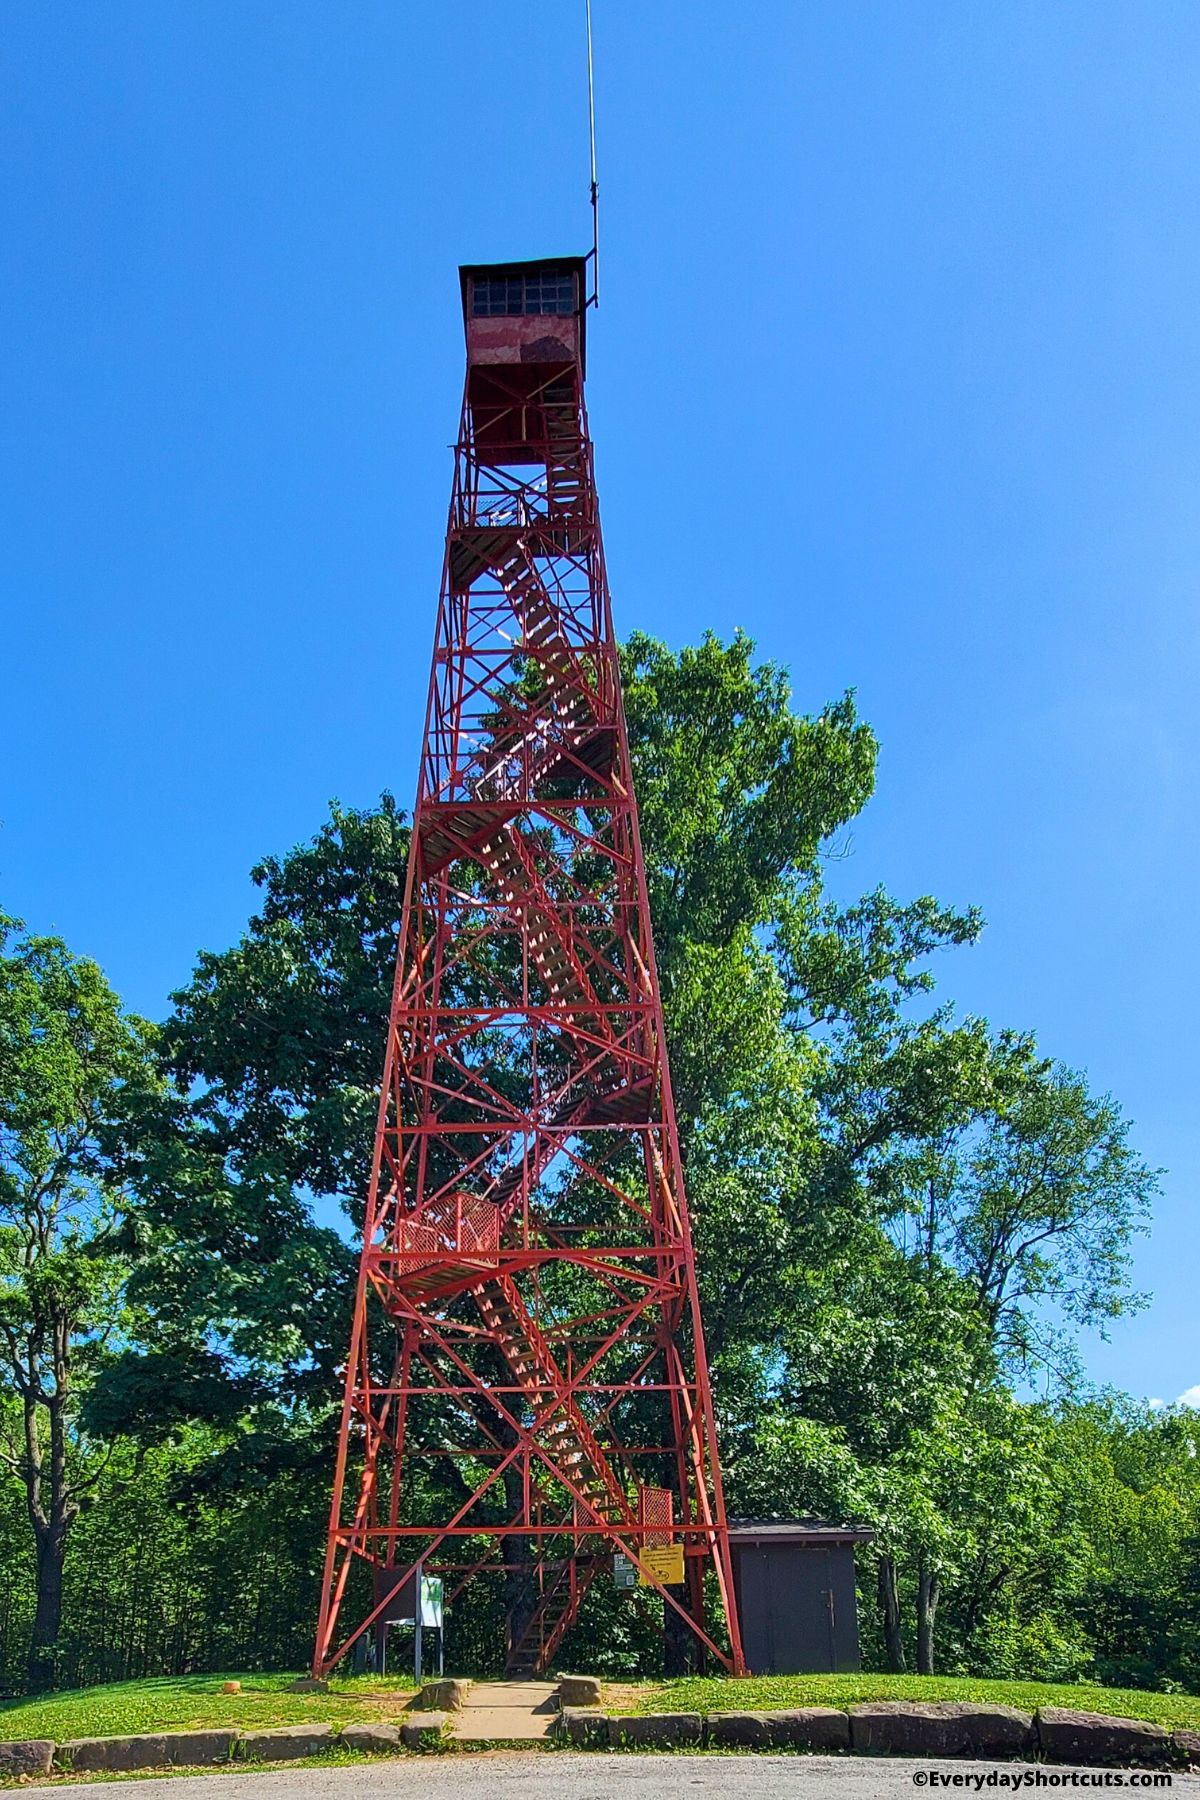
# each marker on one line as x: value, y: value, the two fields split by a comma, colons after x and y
x: 666, y: 1565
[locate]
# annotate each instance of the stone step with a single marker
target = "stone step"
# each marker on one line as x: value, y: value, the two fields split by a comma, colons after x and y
x: 507, y: 1711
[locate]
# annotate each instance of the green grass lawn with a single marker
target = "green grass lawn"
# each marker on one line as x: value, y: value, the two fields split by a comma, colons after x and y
x: 767, y: 1691
x: 182, y: 1703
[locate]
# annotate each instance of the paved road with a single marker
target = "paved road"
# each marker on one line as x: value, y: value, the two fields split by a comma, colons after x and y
x: 592, y: 1775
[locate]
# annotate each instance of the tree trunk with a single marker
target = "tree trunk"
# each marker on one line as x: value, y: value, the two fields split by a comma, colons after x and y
x: 40, y: 1668
x: 929, y: 1588
x: 680, y: 1643
x: 683, y: 1653
x: 50, y: 1515
x: 889, y: 1612
x: 520, y: 1597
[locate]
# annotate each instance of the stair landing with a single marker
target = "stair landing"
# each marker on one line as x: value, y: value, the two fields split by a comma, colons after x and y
x: 506, y: 1711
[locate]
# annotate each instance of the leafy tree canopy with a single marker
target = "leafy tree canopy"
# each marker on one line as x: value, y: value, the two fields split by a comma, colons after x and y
x: 887, y: 1197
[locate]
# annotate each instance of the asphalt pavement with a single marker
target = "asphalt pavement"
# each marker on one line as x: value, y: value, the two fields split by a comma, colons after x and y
x: 593, y: 1775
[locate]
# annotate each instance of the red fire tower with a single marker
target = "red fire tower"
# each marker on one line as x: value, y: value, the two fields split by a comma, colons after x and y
x: 526, y: 1384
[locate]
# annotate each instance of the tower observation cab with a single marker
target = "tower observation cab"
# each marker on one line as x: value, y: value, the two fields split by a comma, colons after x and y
x: 526, y: 352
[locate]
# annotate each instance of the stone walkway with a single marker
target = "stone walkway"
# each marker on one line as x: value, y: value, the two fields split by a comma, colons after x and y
x: 506, y: 1712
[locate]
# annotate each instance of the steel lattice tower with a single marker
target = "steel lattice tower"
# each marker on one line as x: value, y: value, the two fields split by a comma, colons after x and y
x: 526, y: 1372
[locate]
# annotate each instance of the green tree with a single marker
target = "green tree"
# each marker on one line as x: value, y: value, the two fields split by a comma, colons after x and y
x: 1042, y: 1210
x: 68, y: 1057
x: 823, y: 1097
x: 1128, y: 1477
x: 277, y: 1045
x: 1028, y: 1191
x: 1014, y: 1195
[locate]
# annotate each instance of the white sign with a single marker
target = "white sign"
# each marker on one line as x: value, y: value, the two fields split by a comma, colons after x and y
x: 624, y: 1573
x: 431, y: 1600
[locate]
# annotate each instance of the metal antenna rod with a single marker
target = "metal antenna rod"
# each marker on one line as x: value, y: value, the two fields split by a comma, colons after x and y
x: 595, y: 296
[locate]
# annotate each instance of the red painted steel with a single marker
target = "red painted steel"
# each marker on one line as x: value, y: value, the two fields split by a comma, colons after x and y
x: 526, y: 1389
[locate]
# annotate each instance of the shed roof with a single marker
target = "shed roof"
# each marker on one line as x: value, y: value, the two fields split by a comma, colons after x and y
x: 816, y: 1532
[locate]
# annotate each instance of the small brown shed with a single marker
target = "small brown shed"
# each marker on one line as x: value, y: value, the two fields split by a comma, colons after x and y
x: 796, y: 1594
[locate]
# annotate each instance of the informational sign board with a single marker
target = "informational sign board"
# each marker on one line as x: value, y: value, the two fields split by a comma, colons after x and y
x: 431, y: 1600
x: 624, y: 1573
x: 402, y: 1602
x: 666, y: 1564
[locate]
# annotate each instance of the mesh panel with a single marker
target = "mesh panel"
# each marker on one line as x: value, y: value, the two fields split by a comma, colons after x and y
x: 655, y: 1507
x: 456, y: 1225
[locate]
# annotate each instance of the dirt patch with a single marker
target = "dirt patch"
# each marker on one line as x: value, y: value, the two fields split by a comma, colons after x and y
x: 384, y: 1703
x: 626, y: 1696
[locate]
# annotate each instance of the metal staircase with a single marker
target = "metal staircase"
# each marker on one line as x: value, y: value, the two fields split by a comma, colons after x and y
x: 557, y: 1606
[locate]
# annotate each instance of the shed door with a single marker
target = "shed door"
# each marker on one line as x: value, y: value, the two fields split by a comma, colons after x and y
x: 797, y: 1616
x: 754, y: 1607
x: 801, y: 1615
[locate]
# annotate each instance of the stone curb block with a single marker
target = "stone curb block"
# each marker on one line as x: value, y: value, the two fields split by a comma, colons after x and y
x: 578, y: 1690
x: 424, y: 1731
x: 285, y: 1743
x: 444, y: 1696
x: 200, y: 1747
x: 153, y: 1750
x: 371, y: 1737
x: 941, y: 1728
x: 586, y: 1728
x: 1185, y: 1745
x: 1083, y: 1737
x: 26, y: 1756
x: 655, y: 1728
x: 809, y: 1728
x: 737, y: 1728
x: 147, y: 1752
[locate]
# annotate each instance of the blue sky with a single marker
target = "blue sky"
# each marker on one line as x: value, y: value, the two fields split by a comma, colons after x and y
x: 897, y: 366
